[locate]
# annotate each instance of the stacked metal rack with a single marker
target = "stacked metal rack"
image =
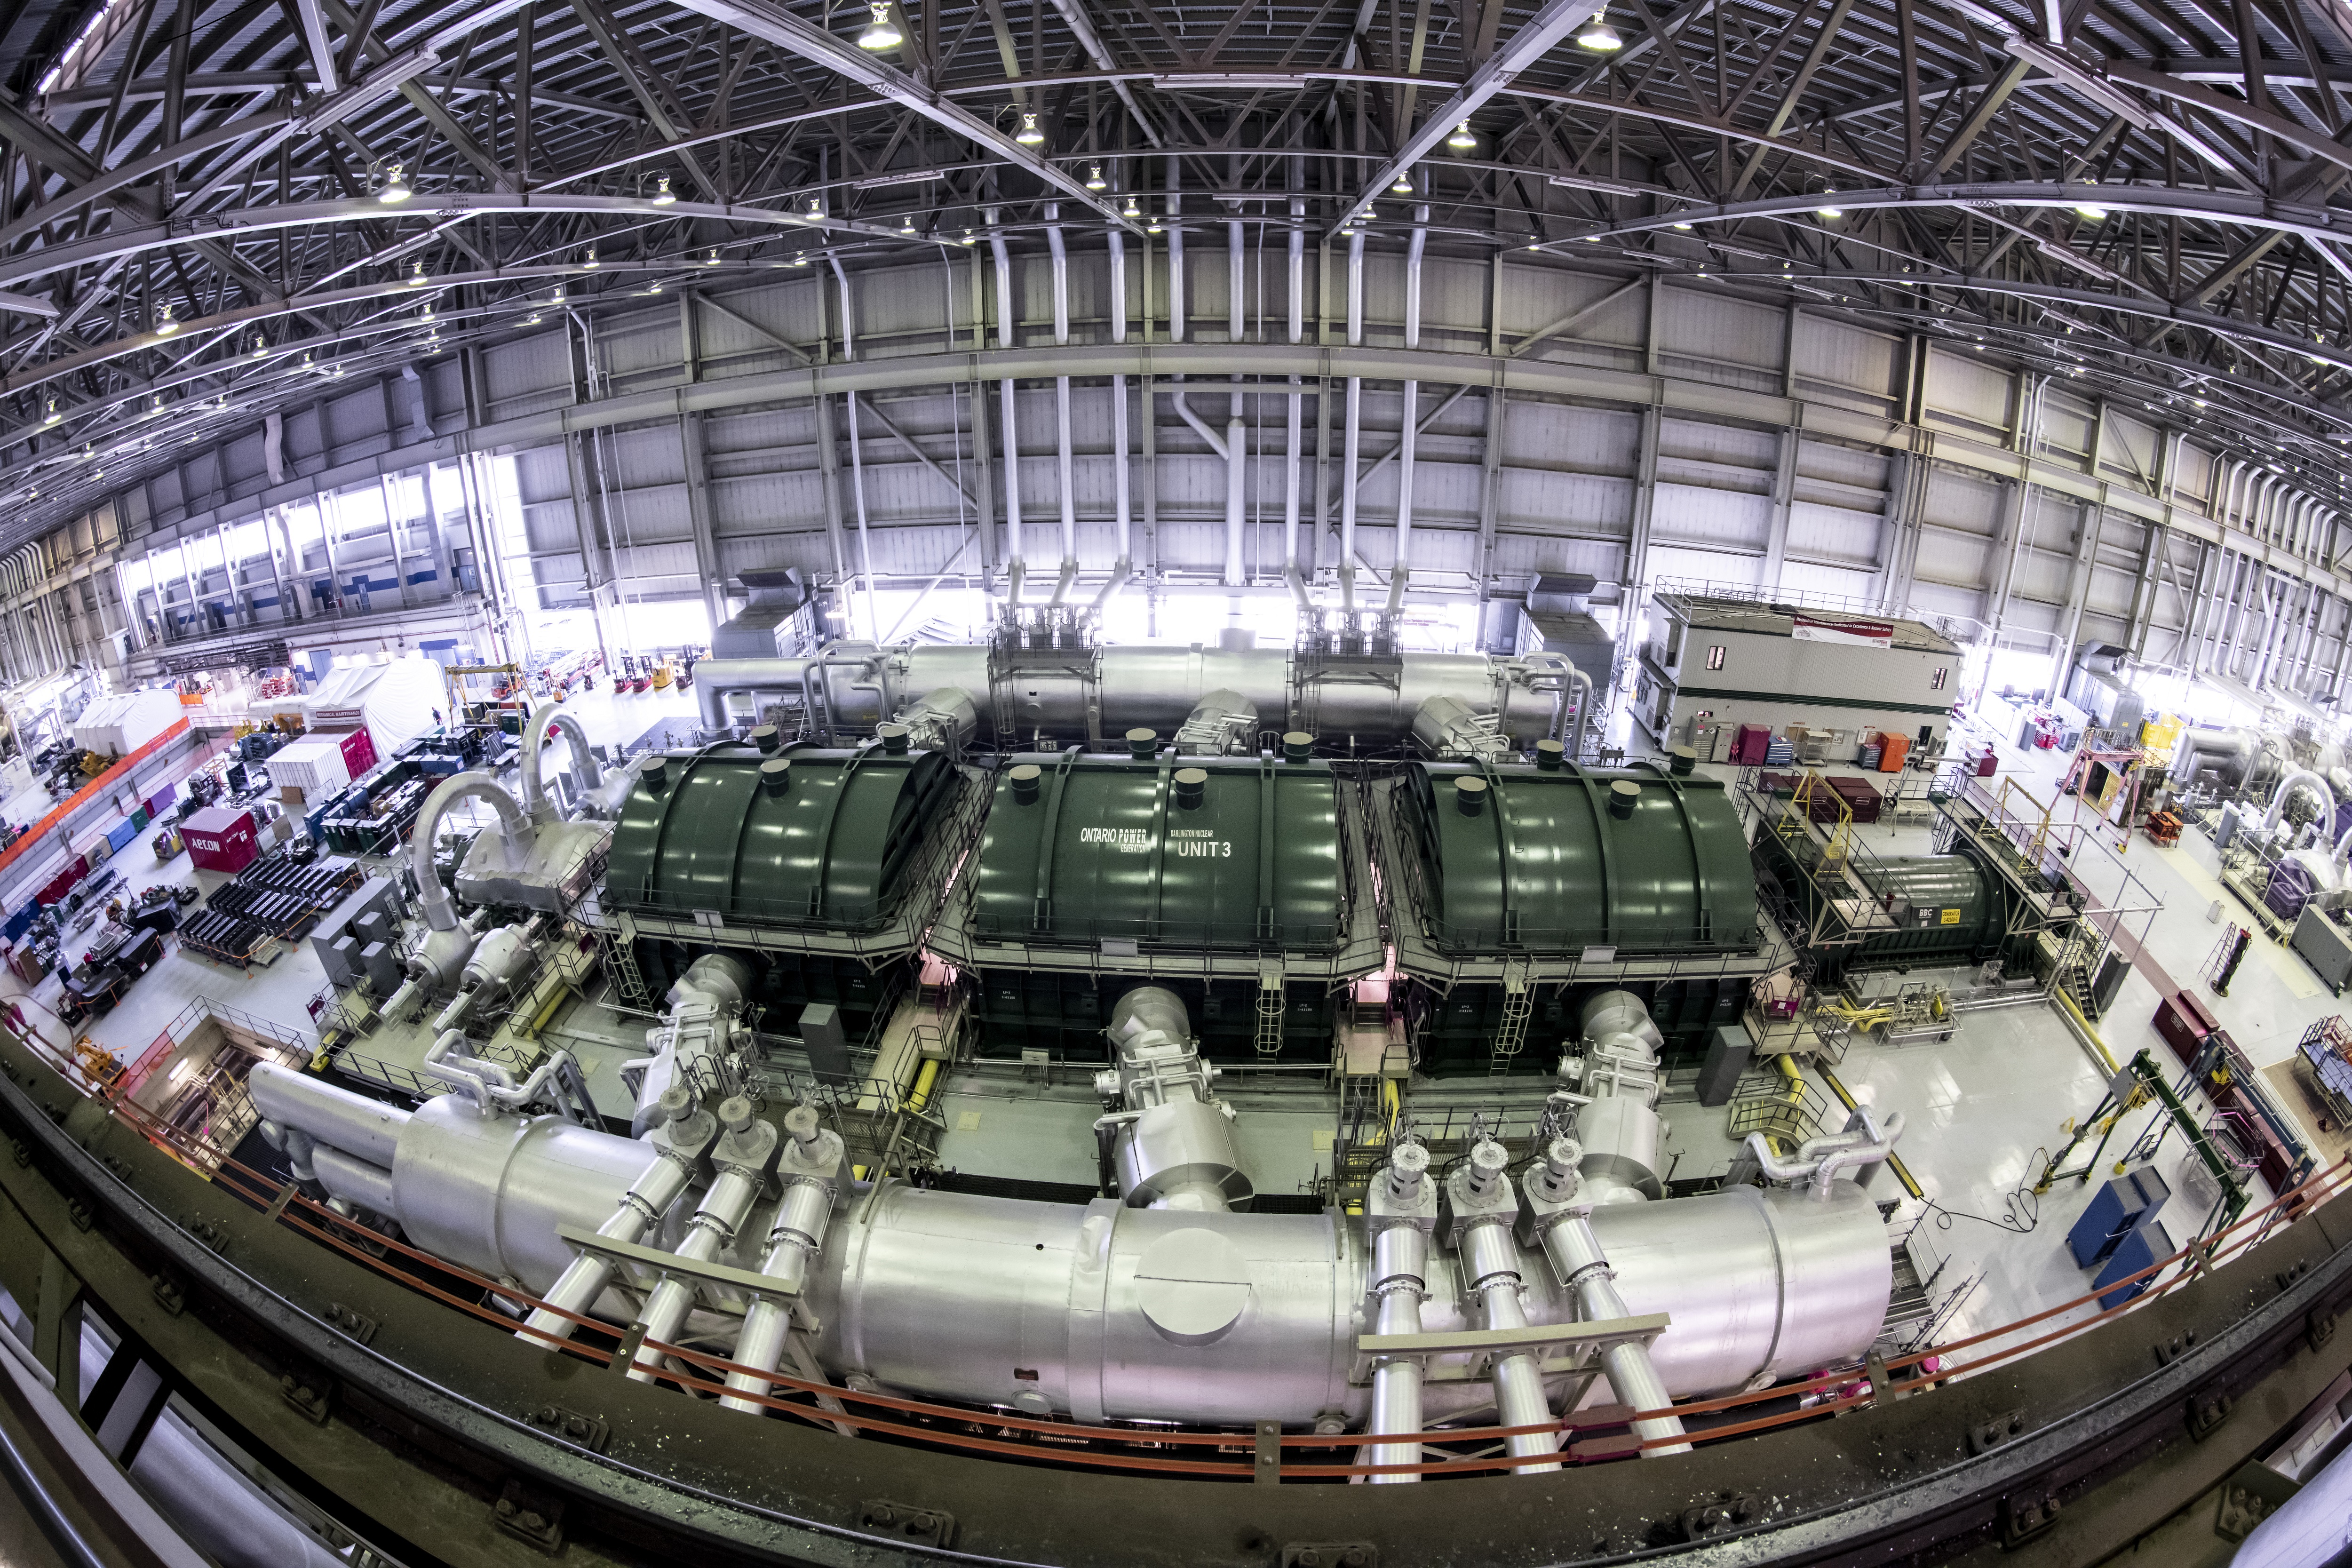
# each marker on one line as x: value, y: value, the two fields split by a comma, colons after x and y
x: 273, y: 900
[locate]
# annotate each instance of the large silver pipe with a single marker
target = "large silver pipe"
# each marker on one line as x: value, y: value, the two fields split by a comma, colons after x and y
x: 515, y: 833
x: 1575, y: 1253
x: 677, y: 1146
x: 1401, y: 1213
x: 1236, y: 437
x: 936, y: 1294
x: 366, y: 1129
x: 1155, y: 686
x: 809, y: 1167
x: 742, y: 1157
x: 1484, y: 1207
x: 1175, y: 203
x: 1294, y: 460
x: 1122, y: 503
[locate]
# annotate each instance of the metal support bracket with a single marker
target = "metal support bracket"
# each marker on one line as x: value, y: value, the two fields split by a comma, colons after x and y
x: 1557, y: 1347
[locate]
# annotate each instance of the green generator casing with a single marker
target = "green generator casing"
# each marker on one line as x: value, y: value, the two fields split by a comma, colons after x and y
x: 1545, y: 869
x: 826, y: 857
x: 1110, y: 853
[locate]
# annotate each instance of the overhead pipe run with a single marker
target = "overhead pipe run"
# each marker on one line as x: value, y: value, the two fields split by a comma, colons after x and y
x: 1294, y: 459
x: 1121, y: 481
x: 1016, y: 565
x: 1062, y: 405
x: 1402, y: 569
x: 1352, y: 442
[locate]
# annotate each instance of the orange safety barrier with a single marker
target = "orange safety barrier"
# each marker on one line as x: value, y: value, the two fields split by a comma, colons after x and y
x: 90, y: 791
x: 709, y: 1371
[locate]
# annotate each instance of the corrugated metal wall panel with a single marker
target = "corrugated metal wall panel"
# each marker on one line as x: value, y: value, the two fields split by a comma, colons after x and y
x: 2131, y: 450
x: 1533, y: 299
x: 1838, y: 353
x: 1680, y: 514
x: 1825, y: 534
x: 1966, y: 392
x: 1707, y: 325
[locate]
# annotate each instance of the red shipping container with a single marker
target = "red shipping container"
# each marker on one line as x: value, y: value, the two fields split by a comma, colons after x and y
x: 220, y: 839
x: 358, y: 752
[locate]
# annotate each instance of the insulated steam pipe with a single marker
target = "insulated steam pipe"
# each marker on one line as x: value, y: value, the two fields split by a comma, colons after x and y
x: 1016, y: 565
x: 1236, y: 437
x: 1293, y: 460
x: 811, y: 1162
x: 515, y: 834
x: 1402, y: 569
x: 1062, y: 401
x: 2299, y: 779
x: 1575, y: 1253
x: 1121, y: 481
x: 1354, y: 435
x: 535, y: 801
x: 678, y: 1142
x: 741, y: 1158
x: 1490, y: 1266
x: 1400, y: 1210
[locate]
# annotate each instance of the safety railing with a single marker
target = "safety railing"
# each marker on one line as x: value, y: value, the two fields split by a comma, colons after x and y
x: 1261, y: 1452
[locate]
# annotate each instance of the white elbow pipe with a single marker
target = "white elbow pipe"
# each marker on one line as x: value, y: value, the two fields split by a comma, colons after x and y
x: 535, y: 802
x: 2301, y: 778
x: 515, y: 831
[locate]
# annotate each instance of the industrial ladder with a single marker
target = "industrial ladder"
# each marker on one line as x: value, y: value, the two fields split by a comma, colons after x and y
x: 1518, y: 1006
x: 1269, y: 1010
x: 621, y: 963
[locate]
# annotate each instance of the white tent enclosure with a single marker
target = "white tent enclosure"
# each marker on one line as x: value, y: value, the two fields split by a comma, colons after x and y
x: 118, y: 724
x: 394, y: 701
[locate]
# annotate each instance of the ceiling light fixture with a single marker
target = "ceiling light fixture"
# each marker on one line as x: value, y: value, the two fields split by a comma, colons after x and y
x: 395, y: 189
x: 2090, y: 210
x: 260, y: 349
x: 713, y: 260
x: 1404, y: 185
x: 1095, y: 182
x: 1829, y: 207
x: 1132, y: 211
x: 591, y: 260
x: 1462, y: 141
x: 815, y: 213
x: 164, y: 326
x: 416, y: 279
x: 1598, y: 36
x: 1029, y: 135
x: 879, y: 34
x: 662, y: 194
x: 1683, y: 227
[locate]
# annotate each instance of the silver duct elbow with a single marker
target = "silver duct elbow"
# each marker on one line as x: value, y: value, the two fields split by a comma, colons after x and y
x: 1221, y: 724
x: 535, y: 802
x: 515, y: 833
x: 1171, y: 1140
